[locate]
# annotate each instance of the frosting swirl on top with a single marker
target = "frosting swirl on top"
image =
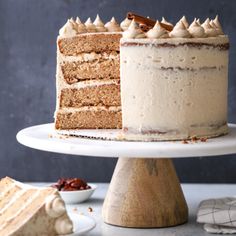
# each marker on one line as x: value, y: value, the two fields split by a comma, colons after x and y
x: 180, y: 31
x: 164, y: 21
x: 90, y: 26
x: 216, y: 23
x: 81, y: 28
x: 157, y: 32
x: 69, y: 29
x: 113, y: 26
x: 125, y: 24
x: 184, y: 20
x: 209, y: 30
x: 196, y: 30
x: 133, y: 32
x: 99, y: 24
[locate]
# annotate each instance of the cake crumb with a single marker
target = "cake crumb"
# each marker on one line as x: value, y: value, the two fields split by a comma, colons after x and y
x: 194, y: 139
x: 75, y: 209
x: 50, y: 135
x: 90, y: 209
x: 185, y: 141
x: 203, y: 139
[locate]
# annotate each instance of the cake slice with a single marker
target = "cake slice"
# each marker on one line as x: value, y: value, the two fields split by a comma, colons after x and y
x: 27, y: 210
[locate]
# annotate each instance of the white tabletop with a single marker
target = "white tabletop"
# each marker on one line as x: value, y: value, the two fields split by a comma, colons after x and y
x: 194, y: 193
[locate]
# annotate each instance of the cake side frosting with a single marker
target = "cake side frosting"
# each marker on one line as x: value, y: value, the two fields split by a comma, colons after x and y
x: 174, y: 84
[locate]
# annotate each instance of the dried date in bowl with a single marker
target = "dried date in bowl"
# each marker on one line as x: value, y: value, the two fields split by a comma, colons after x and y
x: 73, y: 191
x: 71, y: 184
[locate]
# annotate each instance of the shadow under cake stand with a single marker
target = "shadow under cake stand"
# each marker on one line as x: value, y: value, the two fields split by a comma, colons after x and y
x: 144, y: 191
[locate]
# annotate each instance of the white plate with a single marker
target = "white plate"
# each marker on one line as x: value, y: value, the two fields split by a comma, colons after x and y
x: 43, y: 137
x: 81, y: 223
x: 73, y: 197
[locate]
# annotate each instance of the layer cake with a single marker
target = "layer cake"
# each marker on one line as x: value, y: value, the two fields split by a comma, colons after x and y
x: 88, y: 75
x: 27, y: 210
x: 174, y: 83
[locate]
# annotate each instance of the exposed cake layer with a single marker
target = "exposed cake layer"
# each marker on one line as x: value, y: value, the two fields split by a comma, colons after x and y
x: 98, y: 95
x: 86, y: 70
x: 88, y: 74
x: 174, y: 92
x: 89, y: 118
x: 89, y: 42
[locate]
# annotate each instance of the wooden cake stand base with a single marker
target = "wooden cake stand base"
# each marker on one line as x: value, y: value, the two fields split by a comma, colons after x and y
x: 145, y: 193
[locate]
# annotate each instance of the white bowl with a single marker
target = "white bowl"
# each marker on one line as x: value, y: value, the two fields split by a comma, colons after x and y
x: 73, y: 197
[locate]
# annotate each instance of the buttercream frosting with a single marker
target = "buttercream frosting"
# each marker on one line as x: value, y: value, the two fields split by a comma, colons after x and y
x: 112, y: 25
x: 125, y: 24
x: 164, y: 21
x: 198, y: 21
x: 196, y: 30
x: 209, y: 30
x: 180, y: 31
x: 99, y: 24
x: 91, y: 28
x: 63, y: 225
x: 69, y: 29
x: 81, y: 28
x: 133, y: 31
x: 184, y: 20
x: 157, y: 32
x: 55, y: 206
x: 216, y: 23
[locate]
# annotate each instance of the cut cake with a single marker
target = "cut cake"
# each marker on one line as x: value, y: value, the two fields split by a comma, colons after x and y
x: 88, y: 75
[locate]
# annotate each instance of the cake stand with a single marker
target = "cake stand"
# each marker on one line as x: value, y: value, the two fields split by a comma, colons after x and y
x: 144, y: 191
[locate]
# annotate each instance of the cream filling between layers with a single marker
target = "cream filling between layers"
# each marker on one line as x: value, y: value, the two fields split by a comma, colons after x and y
x: 88, y: 33
x: 89, y: 108
x: 86, y: 57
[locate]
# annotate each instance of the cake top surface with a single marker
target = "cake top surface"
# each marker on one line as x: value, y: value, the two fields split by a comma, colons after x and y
x: 138, y: 27
x: 143, y: 28
x: 75, y: 27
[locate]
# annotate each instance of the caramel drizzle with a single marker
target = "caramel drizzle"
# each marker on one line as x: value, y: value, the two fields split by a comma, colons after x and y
x: 146, y: 23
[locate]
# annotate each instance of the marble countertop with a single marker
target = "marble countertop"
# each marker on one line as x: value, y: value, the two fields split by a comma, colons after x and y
x: 194, y: 193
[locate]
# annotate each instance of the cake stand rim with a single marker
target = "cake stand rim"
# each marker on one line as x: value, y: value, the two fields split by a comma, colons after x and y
x: 44, y: 140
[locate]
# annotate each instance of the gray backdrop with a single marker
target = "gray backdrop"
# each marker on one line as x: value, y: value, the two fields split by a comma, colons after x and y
x: 28, y: 31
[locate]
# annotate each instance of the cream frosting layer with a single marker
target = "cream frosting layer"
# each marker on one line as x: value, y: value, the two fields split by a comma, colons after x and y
x: 86, y: 57
x: 160, y: 88
x: 87, y: 108
x: 157, y: 32
x: 177, y: 56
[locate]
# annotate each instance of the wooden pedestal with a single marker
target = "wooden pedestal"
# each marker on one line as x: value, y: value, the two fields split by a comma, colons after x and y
x: 145, y: 193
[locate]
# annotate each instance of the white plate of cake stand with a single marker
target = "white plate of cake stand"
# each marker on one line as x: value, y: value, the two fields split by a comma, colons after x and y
x: 144, y: 191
